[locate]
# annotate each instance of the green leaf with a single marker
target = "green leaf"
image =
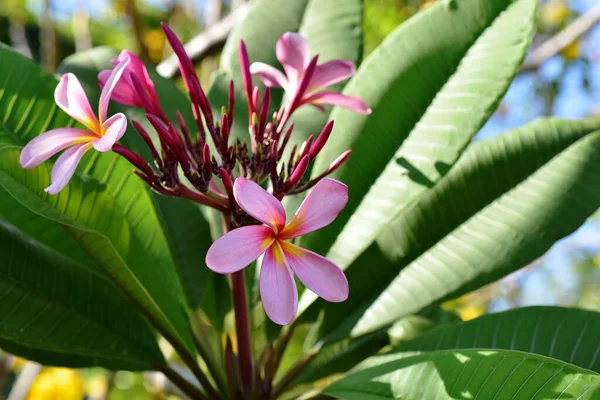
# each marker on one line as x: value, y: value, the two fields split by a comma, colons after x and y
x: 342, y: 356
x: 469, y: 374
x: 58, y: 312
x: 432, y: 84
x: 105, y: 209
x: 566, y: 334
x: 505, y: 202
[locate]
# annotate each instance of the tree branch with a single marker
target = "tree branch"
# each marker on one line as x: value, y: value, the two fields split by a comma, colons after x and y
x: 205, y: 43
x: 562, y: 39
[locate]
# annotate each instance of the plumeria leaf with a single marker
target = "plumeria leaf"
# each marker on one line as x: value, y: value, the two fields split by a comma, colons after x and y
x: 432, y: 84
x: 105, y: 209
x: 505, y: 202
x: 59, y: 312
x: 567, y: 334
x: 477, y: 374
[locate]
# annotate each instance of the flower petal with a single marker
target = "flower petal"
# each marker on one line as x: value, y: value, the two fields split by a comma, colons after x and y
x: 317, y: 273
x: 259, y: 203
x: 277, y: 287
x: 113, y: 129
x: 238, y: 248
x: 337, y: 99
x: 293, y: 53
x: 65, y: 166
x: 71, y: 98
x: 270, y: 76
x: 318, y: 209
x: 111, y: 83
x: 44, y: 146
x: 331, y: 72
x: 123, y: 92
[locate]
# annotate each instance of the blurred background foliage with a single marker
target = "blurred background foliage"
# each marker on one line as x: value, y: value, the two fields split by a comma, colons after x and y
x: 560, y: 78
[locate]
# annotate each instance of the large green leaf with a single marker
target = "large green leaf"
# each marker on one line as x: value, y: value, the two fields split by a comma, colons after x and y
x: 105, y: 209
x: 432, y: 84
x: 505, y: 202
x: 469, y: 374
x: 567, y: 334
x: 58, y: 312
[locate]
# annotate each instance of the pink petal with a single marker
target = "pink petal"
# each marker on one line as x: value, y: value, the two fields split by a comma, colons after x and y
x: 293, y: 53
x: 136, y: 67
x: 65, y: 166
x: 270, y: 76
x: 337, y: 99
x: 114, y: 128
x: 123, y: 92
x: 331, y: 72
x: 317, y: 273
x: 44, y: 146
x: 259, y: 203
x: 71, y: 98
x: 318, y: 209
x: 277, y: 287
x: 108, y: 88
x: 238, y: 248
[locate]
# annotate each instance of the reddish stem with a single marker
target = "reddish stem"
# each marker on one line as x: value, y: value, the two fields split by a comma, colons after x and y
x: 242, y: 322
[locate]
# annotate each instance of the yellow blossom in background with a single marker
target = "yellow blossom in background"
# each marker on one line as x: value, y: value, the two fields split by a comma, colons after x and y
x: 468, y: 313
x: 554, y: 12
x: 154, y: 41
x: 572, y: 51
x: 57, y: 384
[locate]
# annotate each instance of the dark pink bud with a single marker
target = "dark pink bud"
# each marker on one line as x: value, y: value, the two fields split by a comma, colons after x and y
x: 227, y: 181
x: 298, y: 172
x: 306, y: 146
x: 286, y: 139
x: 338, y: 161
x: 264, y: 110
x: 231, y: 102
x: 142, y: 132
x: 255, y: 98
x: 135, y: 159
x: 321, y: 140
x: 183, y: 127
x: 246, y: 76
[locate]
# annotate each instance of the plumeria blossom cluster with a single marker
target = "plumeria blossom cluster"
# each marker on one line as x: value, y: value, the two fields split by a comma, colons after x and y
x: 203, y: 164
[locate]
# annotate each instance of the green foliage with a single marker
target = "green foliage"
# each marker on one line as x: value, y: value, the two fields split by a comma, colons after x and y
x: 505, y: 202
x: 106, y: 210
x: 431, y: 217
x: 562, y: 333
x: 459, y: 374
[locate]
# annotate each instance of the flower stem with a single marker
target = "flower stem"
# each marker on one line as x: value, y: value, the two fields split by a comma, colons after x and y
x: 242, y: 322
x: 242, y: 326
x: 179, y: 381
x: 291, y: 375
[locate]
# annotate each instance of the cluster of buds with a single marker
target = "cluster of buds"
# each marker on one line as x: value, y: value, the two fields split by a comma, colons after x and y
x: 200, y: 162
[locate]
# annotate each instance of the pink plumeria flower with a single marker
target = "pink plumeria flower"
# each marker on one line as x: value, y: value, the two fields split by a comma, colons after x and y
x: 239, y: 247
x: 293, y: 53
x: 125, y: 92
x: 101, y: 133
